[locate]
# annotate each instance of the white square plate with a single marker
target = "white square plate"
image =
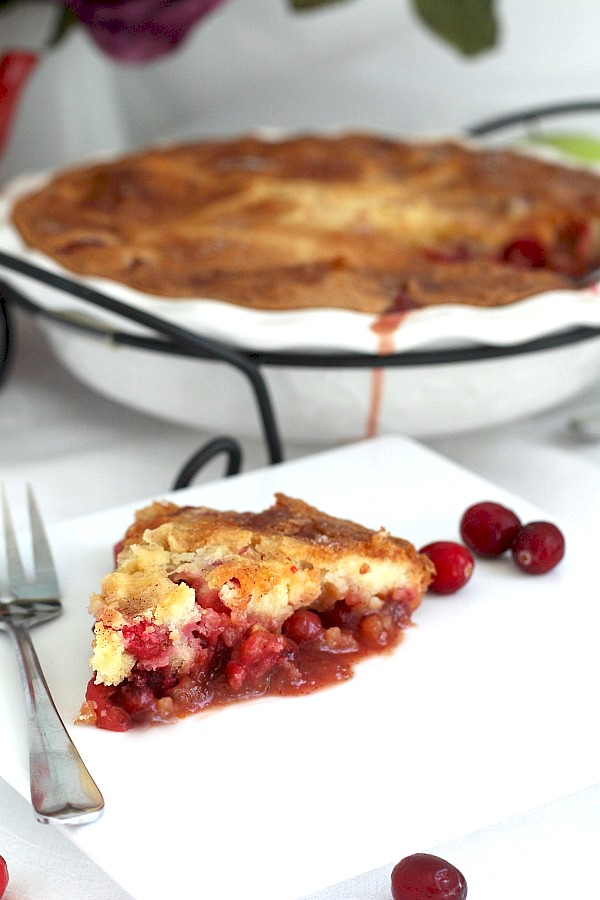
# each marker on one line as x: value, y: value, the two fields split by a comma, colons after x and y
x: 486, y: 709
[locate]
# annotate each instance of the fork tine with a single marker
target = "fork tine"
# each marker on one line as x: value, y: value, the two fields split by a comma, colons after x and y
x: 16, y: 572
x: 45, y: 583
x: 45, y: 570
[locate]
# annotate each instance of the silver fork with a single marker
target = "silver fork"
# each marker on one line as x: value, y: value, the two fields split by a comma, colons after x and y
x: 62, y: 789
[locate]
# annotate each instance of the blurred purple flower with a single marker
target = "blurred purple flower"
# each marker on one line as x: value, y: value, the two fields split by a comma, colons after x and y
x: 139, y: 30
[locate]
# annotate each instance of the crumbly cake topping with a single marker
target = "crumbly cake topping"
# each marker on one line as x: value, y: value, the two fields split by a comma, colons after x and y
x: 352, y: 221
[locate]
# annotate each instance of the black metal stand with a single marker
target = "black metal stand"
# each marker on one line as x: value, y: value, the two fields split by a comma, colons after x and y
x: 197, y: 462
x: 529, y: 116
x: 175, y: 340
x: 5, y: 336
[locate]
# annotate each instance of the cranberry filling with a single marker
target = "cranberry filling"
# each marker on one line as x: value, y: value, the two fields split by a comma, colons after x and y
x: 108, y: 715
x: 316, y: 649
x: 341, y: 616
x: 571, y: 253
x: 255, y: 659
x: 207, y: 598
x: 303, y: 626
x: 146, y: 641
x: 525, y: 253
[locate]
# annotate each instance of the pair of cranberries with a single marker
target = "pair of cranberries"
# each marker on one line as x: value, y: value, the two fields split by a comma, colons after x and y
x: 489, y: 530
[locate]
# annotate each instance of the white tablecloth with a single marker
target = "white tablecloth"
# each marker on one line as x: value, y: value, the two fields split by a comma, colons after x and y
x: 84, y: 453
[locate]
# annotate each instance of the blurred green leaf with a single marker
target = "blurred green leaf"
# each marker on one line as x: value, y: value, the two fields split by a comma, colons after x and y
x: 468, y: 25
x: 585, y: 147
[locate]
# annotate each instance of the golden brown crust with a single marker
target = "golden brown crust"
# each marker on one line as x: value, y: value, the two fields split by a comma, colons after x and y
x: 288, y: 524
x: 484, y: 283
x: 352, y: 221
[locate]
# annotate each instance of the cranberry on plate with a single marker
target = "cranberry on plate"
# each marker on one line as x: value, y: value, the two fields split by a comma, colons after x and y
x: 453, y: 566
x: 3, y: 876
x: 424, y: 876
x: 538, y: 547
x: 489, y: 529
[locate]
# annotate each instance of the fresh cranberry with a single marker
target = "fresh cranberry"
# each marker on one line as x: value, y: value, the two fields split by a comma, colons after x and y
x: 423, y: 876
x: 489, y: 529
x: 3, y: 876
x: 303, y: 626
x: 538, y: 547
x: 453, y: 566
x: 525, y: 253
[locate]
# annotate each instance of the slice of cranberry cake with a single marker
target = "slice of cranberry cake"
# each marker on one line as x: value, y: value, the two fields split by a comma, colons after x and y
x: 206, y: 607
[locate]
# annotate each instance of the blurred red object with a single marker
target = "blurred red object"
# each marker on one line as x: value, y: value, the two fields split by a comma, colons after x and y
x: 16, y: 66
x: 3, y: 876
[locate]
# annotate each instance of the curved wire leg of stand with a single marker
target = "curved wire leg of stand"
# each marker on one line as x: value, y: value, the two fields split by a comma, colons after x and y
x: 523, y: 117
x: 205, y: 454
x: 194, y: 343
x: 5, y: 343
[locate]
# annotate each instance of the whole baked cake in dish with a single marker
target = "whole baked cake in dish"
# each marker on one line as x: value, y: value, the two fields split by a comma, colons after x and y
x: 208, y: 607
x: 352, y: 221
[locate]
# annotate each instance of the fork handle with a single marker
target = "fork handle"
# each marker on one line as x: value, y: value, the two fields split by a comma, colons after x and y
x: 62, y: 789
